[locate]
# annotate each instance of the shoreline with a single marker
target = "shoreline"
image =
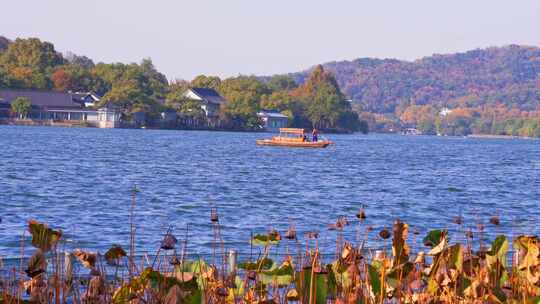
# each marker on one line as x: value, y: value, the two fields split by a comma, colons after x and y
x: 494, y: 136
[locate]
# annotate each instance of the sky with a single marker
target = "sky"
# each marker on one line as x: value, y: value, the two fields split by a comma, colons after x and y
x: 185, y: 38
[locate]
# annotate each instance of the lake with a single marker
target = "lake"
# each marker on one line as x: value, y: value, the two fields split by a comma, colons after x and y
x: 80, y: 180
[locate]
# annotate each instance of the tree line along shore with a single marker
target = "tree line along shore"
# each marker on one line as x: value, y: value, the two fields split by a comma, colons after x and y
x: 32, y: 64
x: 311, y: 99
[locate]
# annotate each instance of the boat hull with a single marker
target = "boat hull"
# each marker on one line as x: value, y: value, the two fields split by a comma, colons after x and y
x: 305, y: 144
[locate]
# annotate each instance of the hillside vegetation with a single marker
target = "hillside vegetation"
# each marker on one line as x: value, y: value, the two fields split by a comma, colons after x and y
x: 499, y: 83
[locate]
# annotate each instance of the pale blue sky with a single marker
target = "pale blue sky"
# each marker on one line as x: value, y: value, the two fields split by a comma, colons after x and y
x: 231, y: 37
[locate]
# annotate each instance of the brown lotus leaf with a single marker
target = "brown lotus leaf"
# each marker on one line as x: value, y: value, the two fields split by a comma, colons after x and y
x: 175, y: 295
x: 347, y: 251
x: 274, y: 235
x: 420, y: 258
x: 88, y: 259
x: 292, y: 295
x: 37, y: 264
x: 43, y: 237
x: 400, y: 249
x: 115, y: 253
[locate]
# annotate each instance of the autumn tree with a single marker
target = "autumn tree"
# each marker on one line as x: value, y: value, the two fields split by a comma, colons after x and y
x: 326, y: 107
x: 62, y: 80
x: 28, y: 62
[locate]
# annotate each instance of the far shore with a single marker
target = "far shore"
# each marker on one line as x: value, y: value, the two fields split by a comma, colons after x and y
x: 491, y: 136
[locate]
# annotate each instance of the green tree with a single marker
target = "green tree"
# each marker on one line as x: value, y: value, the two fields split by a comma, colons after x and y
x: 21, y: 106
x: 3, y: 78
x: 133, y: 87
x: 203, y: 81
x: 531, y: 128
x: 427, y: 127
x: 281, y: 83
x: 277, y: 101
x: 129, y: 97
x: 243, y: 95
x: 153, y: 81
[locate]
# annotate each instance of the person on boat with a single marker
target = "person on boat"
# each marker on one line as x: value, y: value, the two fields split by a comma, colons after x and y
x: 304, y: 138
x: 315, y: 135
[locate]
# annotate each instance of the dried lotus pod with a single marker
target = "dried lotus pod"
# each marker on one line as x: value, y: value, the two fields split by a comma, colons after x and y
x: 169, y: 242
x: 384, y: 234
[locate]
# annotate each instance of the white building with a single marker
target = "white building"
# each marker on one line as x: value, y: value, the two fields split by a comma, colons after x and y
x: 210, y: 100
x: 273, y: 120
x: 58, y: 107
x: 445, y: 111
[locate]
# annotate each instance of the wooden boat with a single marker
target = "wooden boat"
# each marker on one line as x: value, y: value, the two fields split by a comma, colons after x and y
x: 292, y: 137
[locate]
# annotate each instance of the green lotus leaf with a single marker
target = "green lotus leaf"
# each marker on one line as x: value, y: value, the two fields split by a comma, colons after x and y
x: 435, y: 237
x: 264, y: 264
x: 317, y: 291
x: 265, y: 239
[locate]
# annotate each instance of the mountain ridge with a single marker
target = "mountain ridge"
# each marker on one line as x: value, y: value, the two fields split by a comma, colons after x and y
x: 507, y: 74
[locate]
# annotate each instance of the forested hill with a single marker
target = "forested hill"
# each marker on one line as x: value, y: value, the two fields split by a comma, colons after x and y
x: 509, y: 75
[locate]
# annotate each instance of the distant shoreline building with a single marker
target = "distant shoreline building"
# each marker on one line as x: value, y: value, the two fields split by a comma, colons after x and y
x: 210, y: 101
x: 445, y: 112
x: 273, y: 120
x: 49, y: 107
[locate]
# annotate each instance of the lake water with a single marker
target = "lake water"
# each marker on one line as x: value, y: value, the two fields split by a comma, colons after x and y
x: 79, y: 180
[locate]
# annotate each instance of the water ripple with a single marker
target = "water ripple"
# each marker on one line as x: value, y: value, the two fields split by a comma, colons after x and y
x: 79, y: 180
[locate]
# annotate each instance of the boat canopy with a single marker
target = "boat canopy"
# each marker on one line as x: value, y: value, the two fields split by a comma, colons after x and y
x: 291, y: 131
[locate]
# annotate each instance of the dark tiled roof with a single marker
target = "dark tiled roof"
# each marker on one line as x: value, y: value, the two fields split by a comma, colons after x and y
x: 209, y: 95
x: 42, y: 99
x: 271, y: 113
x: 85, y: 96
